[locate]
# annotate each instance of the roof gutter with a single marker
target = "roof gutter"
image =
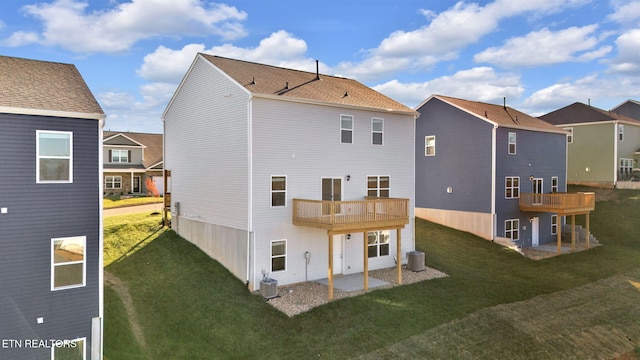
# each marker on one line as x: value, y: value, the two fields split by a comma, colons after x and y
x: 56, y: 113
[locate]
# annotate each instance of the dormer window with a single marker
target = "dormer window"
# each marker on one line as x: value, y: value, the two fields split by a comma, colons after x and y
x: 120, y: 156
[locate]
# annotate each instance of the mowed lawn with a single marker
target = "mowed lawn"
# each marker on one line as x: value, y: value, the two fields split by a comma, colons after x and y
x: 494, y: 303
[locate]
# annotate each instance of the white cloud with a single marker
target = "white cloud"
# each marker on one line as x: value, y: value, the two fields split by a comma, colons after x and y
x: 480, y: 84
x: 279, y: 49
x: 545, y: 47
x: 626, y: 12
x: 627, y: 60
x: 69, y: 25
x: 20, y: 38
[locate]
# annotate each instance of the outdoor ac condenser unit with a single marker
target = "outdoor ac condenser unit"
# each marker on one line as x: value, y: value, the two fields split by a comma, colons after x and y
x: 269, y: 288
x: 415, y: 261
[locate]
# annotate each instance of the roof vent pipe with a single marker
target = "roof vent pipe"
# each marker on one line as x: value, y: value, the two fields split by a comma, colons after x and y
x: 504, y: 102
x: 317, y: 71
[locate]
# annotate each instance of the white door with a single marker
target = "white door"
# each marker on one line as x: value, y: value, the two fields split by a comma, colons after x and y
x: 535, y: 241
x: 338, y: 241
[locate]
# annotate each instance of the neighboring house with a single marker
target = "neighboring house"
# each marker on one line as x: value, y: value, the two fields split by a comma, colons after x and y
x: 129, y: 160
x: 289, y: 174
x: 604, y: 146
x: 480, y: 167
x: 629, y: 108
x: 50, y: 213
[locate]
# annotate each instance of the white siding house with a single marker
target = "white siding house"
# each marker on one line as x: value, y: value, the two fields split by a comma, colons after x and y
x: 243, y: 140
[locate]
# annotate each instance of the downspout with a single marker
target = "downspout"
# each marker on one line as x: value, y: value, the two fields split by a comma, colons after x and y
x: 494, y: 153
x: 615, y: 153
x: 250, y: 248
x: 101, y: 124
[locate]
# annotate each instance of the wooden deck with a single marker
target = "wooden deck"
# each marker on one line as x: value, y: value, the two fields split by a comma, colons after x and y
x: 369, y: 214
x: 561, y: 203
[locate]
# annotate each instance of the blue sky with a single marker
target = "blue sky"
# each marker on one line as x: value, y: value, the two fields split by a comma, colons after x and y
x: 540, y: 54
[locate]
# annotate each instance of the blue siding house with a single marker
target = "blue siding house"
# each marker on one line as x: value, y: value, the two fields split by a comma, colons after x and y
x: 50, y: 213
x: 479, y: 168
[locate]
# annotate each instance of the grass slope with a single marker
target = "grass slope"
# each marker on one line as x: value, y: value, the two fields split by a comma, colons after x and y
x: 190, y: 307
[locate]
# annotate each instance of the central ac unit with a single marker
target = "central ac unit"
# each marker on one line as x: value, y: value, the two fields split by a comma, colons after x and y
x: 269, y: 288
x: 415, y: 261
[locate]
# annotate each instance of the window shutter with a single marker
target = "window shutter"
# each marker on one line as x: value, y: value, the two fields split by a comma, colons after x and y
x: 110, y: 157
x: 129, y: 156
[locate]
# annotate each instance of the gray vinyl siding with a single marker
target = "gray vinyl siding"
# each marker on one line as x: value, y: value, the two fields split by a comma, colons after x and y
x: 462, y: 160
x: 302, y: 141
x: 538, y: 155
x: 206, y: 148
x: 36, y: 214
x: 630, y: 143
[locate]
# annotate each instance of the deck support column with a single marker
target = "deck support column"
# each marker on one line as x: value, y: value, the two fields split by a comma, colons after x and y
x: 365, y: 241
x: 330, y: 271
x: 588, y: 233
x: 559, y: 234
x: 399, y: 254
x: 573, y: 233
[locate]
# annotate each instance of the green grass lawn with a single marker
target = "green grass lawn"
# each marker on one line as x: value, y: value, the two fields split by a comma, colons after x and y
x: 110, y: 202
x: 190, y: 307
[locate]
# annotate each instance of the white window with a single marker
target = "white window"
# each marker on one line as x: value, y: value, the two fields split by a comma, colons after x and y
x: 278, y: 191
x: 278, y: 255
x: 346, y: 129
x: 378, y: 242
x: 512, y: 143
x: 554, y: 184
x: 512, y: 187
x: 570, y: 135
x: 119, y: 156
x: 554, y: 224
x: 68, y: 349
x: 511, y: 229
x: 620, y: 132
x: 377, y: 130
x: 68, y: 262
x: 54, y: 151
x: 378, y: 186
x: 430, y: 145
x: 113, y: 182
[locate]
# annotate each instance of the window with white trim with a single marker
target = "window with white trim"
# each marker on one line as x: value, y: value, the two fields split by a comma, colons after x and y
x: 278, y: 255
x: 511, y: 187
x: 430, y: 145
x: 377, y: 131
x: 512, y: 143
x: 378, y: 243
x: 511, y: 227
x: 68, y: 264
x: 378, y: 186
x: 625, y: 169
x: 68, y: 349
x: 620, y: 132
x: 54, y: 152
x: 119, y: 156
x: 554, y: 184
x: 346, y: 129
x: 113, y: 182
x: 554, y: 224
x: 570, y: 135
x: 278, y: 191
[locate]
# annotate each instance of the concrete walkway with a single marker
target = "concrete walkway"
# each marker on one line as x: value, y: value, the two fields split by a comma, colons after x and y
x: 352, y: 282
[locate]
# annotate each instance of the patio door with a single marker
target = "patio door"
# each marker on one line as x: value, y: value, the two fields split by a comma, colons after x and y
x: 537, y: 191
x: 338, y: 245
x: 535, y: 232
x: 331, y: 191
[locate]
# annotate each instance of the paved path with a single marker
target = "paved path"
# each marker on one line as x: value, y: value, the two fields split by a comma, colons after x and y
x: 133, y: 209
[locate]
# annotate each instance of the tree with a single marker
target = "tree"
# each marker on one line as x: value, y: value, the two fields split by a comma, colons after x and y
x: 152, y: 190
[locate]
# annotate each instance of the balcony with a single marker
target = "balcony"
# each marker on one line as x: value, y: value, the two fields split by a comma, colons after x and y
x: 560, y: 203
x: 370, y: 214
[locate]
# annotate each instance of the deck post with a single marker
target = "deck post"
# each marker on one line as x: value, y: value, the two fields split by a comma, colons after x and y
x: 399, y: 254
x: 559, y: 234
x: 588, y: 233
x: 573, y: 233
x: 330, y: 271
x: 365, y: 241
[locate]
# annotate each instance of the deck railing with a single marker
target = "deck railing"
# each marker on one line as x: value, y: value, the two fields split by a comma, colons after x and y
x: 350, y: 213
x: 563, y: 203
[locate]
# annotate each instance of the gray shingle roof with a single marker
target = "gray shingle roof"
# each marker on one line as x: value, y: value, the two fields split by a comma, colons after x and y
x: 288, y: 83
x: 43, y: 85
x: 578, y: 113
